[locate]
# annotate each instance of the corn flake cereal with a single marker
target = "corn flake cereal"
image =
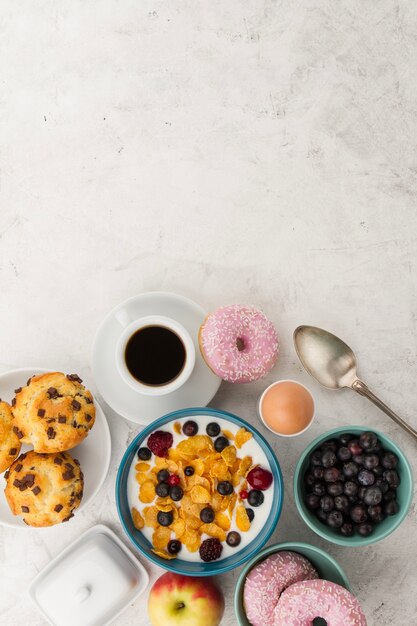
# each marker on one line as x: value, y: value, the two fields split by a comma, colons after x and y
x: 222, y: 520
x: 160, y: 537
x: 242, y: 436
x: 213, y: 531
x: 147, y: 492
x: 200, y: 494
x: 163, y: 554
x: 242, y: 519
x: 138, y: 520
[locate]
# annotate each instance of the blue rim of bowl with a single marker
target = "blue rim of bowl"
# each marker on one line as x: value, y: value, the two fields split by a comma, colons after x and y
x: 217, y: 567
x: 353, y: 542
x: 278, y: 547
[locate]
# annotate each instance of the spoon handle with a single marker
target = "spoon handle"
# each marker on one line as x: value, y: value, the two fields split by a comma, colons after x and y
x: 360, y: 387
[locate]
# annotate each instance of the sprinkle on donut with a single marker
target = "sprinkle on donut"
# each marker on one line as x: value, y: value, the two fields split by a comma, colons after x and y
x: 239, y: 343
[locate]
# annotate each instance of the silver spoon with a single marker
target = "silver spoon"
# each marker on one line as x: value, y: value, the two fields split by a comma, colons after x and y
x: 333, y: 364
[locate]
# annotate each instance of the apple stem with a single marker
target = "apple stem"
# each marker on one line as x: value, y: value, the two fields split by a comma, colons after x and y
x: 179, y: 605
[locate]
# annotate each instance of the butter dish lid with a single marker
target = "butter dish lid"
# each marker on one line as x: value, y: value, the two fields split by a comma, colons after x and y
x: 90, y: 583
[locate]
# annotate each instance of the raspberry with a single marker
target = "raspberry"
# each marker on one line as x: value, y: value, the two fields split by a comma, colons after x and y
x: 243, y: 494
x: 210, y: 549
x: 160, y: 442
x: 173, y: 480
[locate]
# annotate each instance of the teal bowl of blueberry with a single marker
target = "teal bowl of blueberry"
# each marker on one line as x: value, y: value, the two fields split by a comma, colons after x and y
x: 353, y: 486
x: 263, y: 500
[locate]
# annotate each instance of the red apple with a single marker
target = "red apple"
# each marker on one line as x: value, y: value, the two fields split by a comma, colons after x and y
x: 177, y: 600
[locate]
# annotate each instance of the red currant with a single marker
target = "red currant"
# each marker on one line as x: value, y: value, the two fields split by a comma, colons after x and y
x: 173, y: 480
x: 243, y: 494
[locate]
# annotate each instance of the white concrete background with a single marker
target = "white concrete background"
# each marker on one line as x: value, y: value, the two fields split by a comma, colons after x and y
x: 260, y: 152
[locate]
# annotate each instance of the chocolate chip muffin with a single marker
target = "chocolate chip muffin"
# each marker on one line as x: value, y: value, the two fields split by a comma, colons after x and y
x: 45, y: 489
x: 9, y: 441
x: 54, y: 412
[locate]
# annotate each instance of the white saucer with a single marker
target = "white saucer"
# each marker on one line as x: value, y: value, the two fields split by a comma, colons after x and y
x: 93, y: 453
x: 198, y: 390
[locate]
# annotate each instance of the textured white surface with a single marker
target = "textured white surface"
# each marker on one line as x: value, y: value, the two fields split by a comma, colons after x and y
x: 259, y: 152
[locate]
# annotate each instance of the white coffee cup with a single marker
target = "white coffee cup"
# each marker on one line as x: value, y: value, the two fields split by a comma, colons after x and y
x: 130, y: 328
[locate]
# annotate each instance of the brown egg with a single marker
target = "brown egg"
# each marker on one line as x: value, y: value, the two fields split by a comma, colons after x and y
x: 287, y: 407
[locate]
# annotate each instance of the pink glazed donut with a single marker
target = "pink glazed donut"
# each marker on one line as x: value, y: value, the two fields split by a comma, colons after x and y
x: 267, y: 580
x: 301, y: 603
x: 238, y: 343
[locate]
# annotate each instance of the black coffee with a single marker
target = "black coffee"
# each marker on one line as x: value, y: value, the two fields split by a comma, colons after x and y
x: 155, y: 355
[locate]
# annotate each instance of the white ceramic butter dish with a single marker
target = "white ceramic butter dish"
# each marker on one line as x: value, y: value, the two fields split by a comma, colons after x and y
x: 90, y: 583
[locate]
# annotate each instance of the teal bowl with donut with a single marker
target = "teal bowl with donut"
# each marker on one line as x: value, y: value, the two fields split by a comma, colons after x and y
x: 326, y: 566
x: 388, y: 522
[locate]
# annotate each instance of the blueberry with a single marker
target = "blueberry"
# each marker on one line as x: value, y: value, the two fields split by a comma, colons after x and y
x: 350, y: 469
x: 162, y: 490
x: 378, y: 471
x: 176, y: 493
x: 335, y: 489
x: 350, y: 488
x: 190, y: 428
x: 331, y: 474
x: 347, y: 529
x: 326, y: 504
x: 312, y: 501
x: 371, y: 461
x: 376, y: 513
x: 335, y: 519
x: 358, y: 514
x: 373, y: 495
x: 341, y: 503
x: 144, y: 454
x: 318, y: 489
x: 365, y: 529
x: 213, y: 429
x: 255, y: 497
x: 389, y: 495
x: 207, y: 515
x: 366, y: 477
x: 392, y: 478
x: 165, y: 519
x: 361, y: 492
x: 317, y: 472
x: 389, y: 460
x: 309, y: 479
x: 189, y: 470
x: 355, y: 447
x: 162, y: 475
x: 315, y: 458
x: 368, y: 441
x: 391, y: 507
x: 220, y: 444
x: 322, y: 515
x: 384, y: 486
x: 174, y: 546
x: 233, y: 539
x: 251, y: 514
x: 330, y: 444
x: 345, y: 438
x: 328, y: 458
x: 358, y: 459
x: 225, y: 488
x: 344, y: 454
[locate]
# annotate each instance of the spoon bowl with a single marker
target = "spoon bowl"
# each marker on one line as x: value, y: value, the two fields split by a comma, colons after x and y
x: 325, y: 357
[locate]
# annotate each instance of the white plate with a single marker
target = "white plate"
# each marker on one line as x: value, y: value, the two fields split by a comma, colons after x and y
x: 90, y: 583
x: 93, y: 453
x: 197, y: 391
